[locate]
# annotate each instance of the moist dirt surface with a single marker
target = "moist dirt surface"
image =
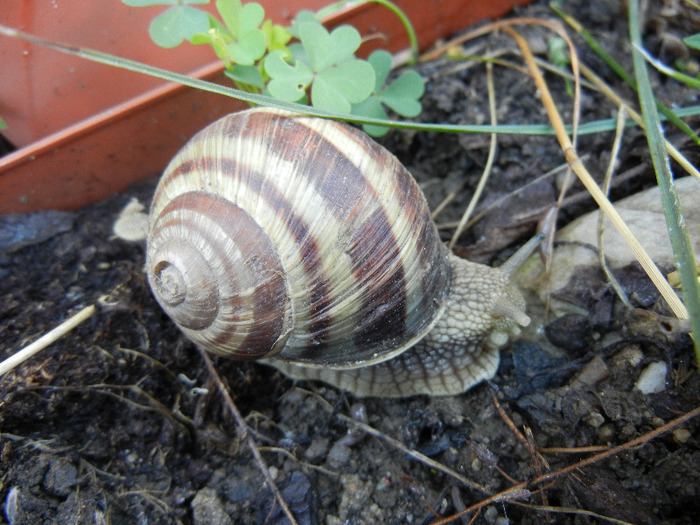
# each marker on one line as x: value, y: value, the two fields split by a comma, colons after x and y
x: 121, y: 421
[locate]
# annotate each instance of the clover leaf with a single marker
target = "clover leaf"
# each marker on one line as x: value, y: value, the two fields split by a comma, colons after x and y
x: 693, y: 41
x: 177, y: 23
x: 402, y: 95
x: 338, y: 78
x: 180, y: 22
x: 287, y: 81
x: 247, y: 42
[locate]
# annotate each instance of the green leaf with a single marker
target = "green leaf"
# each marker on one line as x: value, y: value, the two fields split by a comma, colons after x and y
x: 3, y: 124
x: 288, y: 82
x: 176, y: 24
x: 381, y: 62
x: 558, y: 51
x: 403, y: 94
x: 693, y: 41
x: 247, y: 43
x: 302, y: 16
x: 327, y: 49
x: 249, y: 75
x: 239, y: 18
x: 335, y: 89
x: 248, y: 49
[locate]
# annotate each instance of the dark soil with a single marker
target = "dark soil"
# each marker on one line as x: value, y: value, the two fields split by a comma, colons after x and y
x: 120, y: 422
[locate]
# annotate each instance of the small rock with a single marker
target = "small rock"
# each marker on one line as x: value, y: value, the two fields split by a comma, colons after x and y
x: 12, y: 511
x: 535, y: 368
x: 681, y: 435
x: 238, y: 489
x: 338, y: 456
x: 18, y: 230
x: 594, y: 371
x: 571, y: 332
x: 60, y: 478
x: 595, y: 419
x: 299, y: 495
x: 652, y: 380
x: 317, y: 449
x: 207, y: 508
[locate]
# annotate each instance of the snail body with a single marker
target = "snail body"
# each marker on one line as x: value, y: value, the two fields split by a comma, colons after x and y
x: 303, y: 243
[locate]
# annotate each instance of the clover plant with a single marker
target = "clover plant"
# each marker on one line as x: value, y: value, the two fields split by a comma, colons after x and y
x: 302, y: 63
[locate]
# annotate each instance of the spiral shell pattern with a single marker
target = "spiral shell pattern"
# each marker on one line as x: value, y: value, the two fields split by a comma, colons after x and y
x: 274, y: 234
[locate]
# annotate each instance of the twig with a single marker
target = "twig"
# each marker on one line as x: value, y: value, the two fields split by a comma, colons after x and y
x: 515, y: 492
x: 243, y: 434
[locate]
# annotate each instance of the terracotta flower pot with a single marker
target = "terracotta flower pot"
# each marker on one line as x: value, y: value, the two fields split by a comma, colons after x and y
x: 85, y: 130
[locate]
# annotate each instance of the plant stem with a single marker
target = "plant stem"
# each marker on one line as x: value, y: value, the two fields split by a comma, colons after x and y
x: 669, y: 198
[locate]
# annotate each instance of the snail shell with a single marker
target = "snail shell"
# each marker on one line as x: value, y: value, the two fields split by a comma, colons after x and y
x: 302, y: 242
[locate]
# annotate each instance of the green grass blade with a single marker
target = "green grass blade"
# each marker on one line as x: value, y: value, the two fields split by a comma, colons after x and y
x: 669, y: 198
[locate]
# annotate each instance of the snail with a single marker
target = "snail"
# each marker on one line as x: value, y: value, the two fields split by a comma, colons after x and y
x: 303, y: 243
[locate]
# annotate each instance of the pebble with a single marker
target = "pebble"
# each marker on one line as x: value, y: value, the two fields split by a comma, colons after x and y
x: 681, y: 435
x: 60, y: 478
x: 207, y: 508
x: 299, y: 495
x: 317, y: 449
x: 338, y: 456
x: 652, y: 380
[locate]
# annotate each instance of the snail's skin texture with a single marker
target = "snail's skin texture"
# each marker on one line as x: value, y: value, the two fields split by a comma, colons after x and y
x: 302, y: 242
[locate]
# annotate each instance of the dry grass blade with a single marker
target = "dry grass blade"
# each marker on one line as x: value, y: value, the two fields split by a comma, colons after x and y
x: 46, y: 339
x: 489, y: 161
x: 619, y: 290
x: 577, y: 166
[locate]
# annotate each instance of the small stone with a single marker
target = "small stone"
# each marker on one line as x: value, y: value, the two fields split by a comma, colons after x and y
x: 491, y: 515
x: 607, y: 432
x: 238, y: 490
x: 18, y: 230
x: 594, y: 371
x: 338, y: 456
x: 60, y: 478
x: 207, y: 508
x: 12, y: 512
x: 317, y: 449
x: 681, y: 435
x: 298, y: 492
x: 595, y: 419
x: 652, y: 380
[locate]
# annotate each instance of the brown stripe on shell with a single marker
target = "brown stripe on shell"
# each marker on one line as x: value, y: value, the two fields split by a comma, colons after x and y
x: 378, y: 266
